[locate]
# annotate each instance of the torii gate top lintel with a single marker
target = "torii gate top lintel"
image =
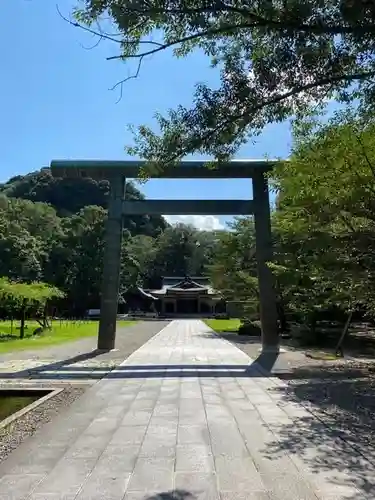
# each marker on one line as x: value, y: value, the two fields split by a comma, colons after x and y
x: 130, y: 169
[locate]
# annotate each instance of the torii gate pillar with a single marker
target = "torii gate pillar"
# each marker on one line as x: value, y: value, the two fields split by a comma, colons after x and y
x: 111, y: 265
x: 264, y: 255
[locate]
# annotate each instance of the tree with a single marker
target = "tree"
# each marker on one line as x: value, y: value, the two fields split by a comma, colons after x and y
x: 142, y: 249
x: 69, y: 196
x: 325, y: 220
x: 275, y: 60
x: 27, y: 231
x: 182, y: 250
x: 323, y: 228
x: 233, y: 271
x: 76, y: 261
x: 175, y: 248
x: 205, y: 249
x: 66, y: 251
x: 22, y: 297
x: 38, y: 245
x: 81, y: 254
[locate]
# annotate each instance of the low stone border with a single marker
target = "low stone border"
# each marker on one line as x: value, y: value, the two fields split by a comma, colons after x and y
x: 51, y: 392
x: 37, y: 414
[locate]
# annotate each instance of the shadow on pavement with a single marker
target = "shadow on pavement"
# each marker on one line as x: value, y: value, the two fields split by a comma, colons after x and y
x: 144, y: 372
x: 64, y: 370
x: 172, y: 495
x: 329, y: 451
x: 54, y: 366
x: 240, y: 339
x: 336, y: 438
x: 344, y: 396
x: 266, y: 361
x: 81, y: 357
x: 347, y: 404
x: 231, y: 336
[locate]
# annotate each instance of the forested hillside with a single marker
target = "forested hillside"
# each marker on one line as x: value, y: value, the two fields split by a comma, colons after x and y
x: 69, y: 196
x: 52, y: 231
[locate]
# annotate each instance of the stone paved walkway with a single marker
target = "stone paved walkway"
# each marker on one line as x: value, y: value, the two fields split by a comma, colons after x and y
x: 186, y: 417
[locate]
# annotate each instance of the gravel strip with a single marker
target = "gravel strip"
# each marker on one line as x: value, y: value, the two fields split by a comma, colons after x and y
x: 13, y: 435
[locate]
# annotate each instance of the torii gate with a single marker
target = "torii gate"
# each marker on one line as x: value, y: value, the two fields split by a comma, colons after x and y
x: 118, y: 171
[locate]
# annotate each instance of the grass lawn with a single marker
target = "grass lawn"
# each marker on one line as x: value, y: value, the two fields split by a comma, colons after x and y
x: 62, y: 331
x: 223, y: 325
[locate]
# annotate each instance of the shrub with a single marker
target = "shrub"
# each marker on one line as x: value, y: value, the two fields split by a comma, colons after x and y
x: 250, y: 328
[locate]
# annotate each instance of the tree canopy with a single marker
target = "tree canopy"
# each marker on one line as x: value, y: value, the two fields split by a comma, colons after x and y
x: 47, y: 242
x: 276, y: 59
x: 325, y: 217
x: 18, y: 297
x: 182, y: 250
x: 28, y: 292
x: 323, y: 225
x: 69, y: 196
x: 233, y: 268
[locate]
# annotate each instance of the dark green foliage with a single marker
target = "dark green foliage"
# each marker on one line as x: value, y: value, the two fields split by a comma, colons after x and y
x: 41, y: 239
x: 323, y: 227
x: 275, y: 60
x: 21, y: 298
x: 252, y: 329
x: 182, y: 250
x: 233, y: 270
x: 69, y: 196
x: 325, y: 220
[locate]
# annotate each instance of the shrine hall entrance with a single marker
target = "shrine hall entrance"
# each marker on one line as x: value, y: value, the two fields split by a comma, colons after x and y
x: 118, y: 207
x: 187, y: 306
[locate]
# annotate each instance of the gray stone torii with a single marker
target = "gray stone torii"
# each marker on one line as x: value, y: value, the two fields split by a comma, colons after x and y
x: 118, y: 171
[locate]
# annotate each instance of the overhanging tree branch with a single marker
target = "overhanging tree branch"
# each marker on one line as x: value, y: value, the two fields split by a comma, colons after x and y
x: 288, y: 49
x: 277, y: 99
x: 223, y: 30
x: 257, y: 20
x: 103, y: 35
x: 131, y: 77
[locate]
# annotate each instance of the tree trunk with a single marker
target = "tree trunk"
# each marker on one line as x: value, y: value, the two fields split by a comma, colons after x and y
x: 284, y: 325
x: 23, y: 319
x: 283, y: 322
x: 339, y: 349
x: 45, y: 316
x: 316, y: 335
x: 313, y: 324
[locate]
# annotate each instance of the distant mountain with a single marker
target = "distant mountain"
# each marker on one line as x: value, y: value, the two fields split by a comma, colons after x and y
x: 68, y: 196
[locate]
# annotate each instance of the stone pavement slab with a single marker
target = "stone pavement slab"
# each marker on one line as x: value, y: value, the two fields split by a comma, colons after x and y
x: 187, y: 416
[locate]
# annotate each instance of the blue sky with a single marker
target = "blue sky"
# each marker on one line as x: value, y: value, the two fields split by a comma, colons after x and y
x: 55, y: 100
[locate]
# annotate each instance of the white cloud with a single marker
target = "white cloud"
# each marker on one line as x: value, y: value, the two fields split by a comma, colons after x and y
x: 201, y: 222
